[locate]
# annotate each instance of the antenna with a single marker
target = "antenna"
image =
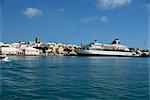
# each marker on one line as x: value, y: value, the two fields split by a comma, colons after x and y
x: 116, y: 37
x: 144, y: 45
x: 81, y: 44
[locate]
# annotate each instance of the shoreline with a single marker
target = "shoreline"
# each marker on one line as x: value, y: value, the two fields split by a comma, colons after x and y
x: 60, y: 55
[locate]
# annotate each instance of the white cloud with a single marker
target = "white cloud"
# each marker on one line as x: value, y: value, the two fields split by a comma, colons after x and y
x: 89, y: 19
x: 102, y: 19
x: 31, y: 12
x: 62, y: 10
x: 112, y: 4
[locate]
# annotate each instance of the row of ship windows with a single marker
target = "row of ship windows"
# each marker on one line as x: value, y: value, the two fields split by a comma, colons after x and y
x: 106, y: 49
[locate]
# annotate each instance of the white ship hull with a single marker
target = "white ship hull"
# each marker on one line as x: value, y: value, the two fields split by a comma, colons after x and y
x: 103, y: 53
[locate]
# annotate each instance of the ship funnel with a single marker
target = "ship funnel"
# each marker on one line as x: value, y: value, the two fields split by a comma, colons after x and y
x: 116, y: 41
x: 95, y: 41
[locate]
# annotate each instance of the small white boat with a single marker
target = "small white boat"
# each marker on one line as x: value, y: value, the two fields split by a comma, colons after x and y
x: 3, y: 58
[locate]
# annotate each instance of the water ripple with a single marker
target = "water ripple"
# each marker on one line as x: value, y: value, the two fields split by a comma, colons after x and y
x: 72, y: 78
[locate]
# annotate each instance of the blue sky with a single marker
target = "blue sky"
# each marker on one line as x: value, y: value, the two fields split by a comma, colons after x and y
x: 75, y: 21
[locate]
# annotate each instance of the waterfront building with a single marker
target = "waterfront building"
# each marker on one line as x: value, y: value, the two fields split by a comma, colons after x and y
x: 10, y: 51
x: 15, y: 45
x: 60, y: 50
x: 4, y: 44
x: 32, y: 51
x: 49, y: 51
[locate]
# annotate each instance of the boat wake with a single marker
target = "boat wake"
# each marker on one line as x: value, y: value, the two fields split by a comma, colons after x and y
x: 6, y: 59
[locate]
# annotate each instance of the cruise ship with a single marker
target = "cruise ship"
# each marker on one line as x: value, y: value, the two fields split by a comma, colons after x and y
x: 97, y: 49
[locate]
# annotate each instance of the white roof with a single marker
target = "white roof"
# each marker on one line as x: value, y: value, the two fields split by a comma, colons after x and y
x: 30, y: 48
x: 23, y: 47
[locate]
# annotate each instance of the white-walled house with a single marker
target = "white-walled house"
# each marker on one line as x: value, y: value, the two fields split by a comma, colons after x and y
x: 20, y: 51
x: 32, y: 51
x: 10, y: 51
x: 60, y: 50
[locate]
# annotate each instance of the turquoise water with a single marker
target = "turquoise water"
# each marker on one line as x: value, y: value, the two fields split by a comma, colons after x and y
x: 75, y: 78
